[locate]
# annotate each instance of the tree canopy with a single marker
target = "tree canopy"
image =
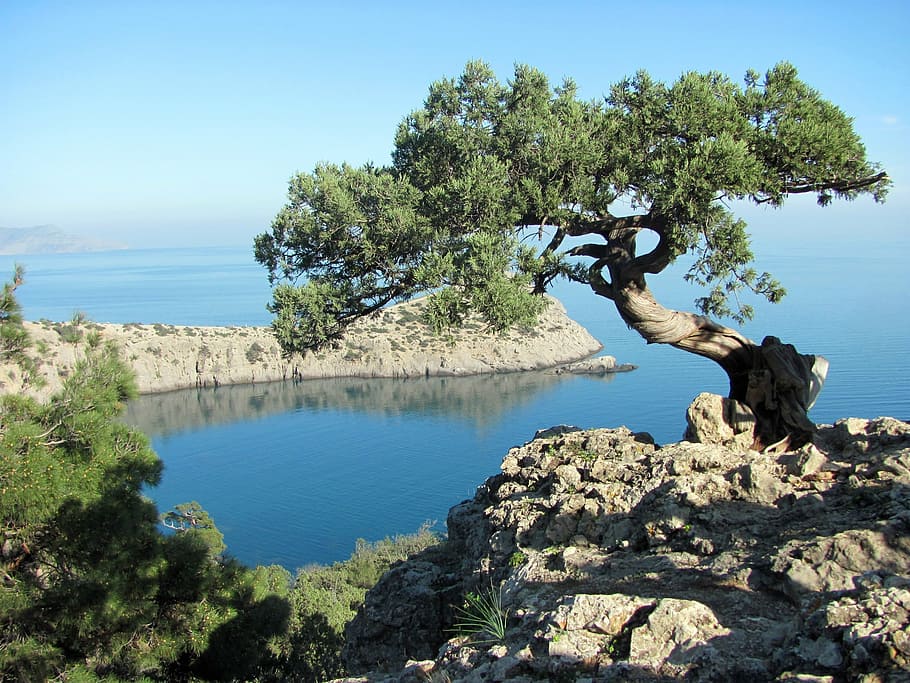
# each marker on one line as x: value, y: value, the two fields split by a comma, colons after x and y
x: 497, y: 189
x: 91, y: 589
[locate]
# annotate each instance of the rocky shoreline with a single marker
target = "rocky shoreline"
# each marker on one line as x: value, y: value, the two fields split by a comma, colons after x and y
x: 392, y: 343
x: 616, y: 559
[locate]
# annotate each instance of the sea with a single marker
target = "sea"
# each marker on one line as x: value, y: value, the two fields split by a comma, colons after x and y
x: 295, y: 473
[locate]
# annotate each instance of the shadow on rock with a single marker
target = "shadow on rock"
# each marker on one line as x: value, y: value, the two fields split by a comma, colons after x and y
x: 637, y: 562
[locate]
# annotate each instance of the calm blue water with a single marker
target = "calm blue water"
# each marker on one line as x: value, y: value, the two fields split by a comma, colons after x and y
x: 293, y: 474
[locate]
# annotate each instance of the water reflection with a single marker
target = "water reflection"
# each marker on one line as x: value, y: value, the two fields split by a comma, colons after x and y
x: 295, y: 473
x: 480, y: 400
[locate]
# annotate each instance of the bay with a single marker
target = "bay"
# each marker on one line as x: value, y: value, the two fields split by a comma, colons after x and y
x: 295, y: 473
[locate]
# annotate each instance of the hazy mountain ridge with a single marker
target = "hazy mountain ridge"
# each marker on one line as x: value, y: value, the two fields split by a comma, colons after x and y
x: 49, y: 239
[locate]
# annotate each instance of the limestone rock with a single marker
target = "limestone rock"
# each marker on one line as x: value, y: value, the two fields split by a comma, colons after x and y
x: 837, y: 562
x: 620, y: 560
x: 602, y: 365
x: 599, y: 614
x: 406, y: 620
x: 677, y: 633
x: 860, y: 634
x: 714, y: 419
x: 392, y: 343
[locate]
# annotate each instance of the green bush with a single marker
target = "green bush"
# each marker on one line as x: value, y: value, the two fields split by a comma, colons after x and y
x: 255, y: 353
x: 92, y: 590
x: 325, y: 598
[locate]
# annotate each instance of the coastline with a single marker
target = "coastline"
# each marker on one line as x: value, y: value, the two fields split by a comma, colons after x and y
x: 393, y: 343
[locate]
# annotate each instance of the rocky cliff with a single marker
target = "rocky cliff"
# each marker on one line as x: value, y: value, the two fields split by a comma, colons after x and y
x: 618, y: 559
x: 393, y: 343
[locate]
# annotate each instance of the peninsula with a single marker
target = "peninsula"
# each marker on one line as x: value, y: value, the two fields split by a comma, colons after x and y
x: 393, y: 343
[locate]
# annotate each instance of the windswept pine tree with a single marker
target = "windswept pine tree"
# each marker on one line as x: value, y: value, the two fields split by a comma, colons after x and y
x: 496, y: 190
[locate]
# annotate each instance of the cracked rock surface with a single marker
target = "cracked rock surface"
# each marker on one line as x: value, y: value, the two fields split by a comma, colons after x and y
x: 617, y: 559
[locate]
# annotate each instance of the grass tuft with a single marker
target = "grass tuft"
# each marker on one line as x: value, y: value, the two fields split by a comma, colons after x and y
x: 482, y: 617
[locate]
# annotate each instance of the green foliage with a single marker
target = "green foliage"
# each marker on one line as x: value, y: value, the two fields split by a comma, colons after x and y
x: 13, y: 337
x: 722, y: 263
x: 517, y: 558
x: 192, y: 519
x: 325, y: 598
x: 583, y: 454
x: 255, y: 352
x: 91, y: 589
x: 485, y: 169
x: 502, y: 298
x: 72, y: 331
x: 93, y: 339
x: 356, y: 235
x: 482, y: 617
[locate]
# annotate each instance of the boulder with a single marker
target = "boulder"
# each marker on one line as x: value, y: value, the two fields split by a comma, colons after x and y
x: 619, y: 560
x: 714, y: 419
x: 676, y: 633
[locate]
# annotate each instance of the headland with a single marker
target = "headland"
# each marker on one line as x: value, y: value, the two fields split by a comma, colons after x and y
x: 392, y: 343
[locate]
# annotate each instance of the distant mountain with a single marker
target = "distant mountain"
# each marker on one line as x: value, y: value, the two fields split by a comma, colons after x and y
x: 49, y: 239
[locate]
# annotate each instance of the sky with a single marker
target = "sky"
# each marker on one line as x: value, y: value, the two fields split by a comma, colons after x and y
x: 179, y: 124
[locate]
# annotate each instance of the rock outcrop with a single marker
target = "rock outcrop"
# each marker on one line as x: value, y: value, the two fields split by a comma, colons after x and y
x: 392, y: 343
x: 617, y: 559
x: 602, y: 365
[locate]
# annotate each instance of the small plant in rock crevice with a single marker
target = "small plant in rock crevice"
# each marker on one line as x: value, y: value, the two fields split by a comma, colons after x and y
x: 517, y: 559
x: 482, y: 617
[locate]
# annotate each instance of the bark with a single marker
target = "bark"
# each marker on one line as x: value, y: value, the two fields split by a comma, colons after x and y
x: 776, y: 382
x: 772, y: 379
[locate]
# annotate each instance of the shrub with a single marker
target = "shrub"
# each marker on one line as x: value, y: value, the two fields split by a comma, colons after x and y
x: 325, y: 598
x: 255, y: 352
x: 72, y: 331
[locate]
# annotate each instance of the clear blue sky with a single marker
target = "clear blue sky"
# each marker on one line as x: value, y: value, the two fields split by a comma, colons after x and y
x: 166, y: 123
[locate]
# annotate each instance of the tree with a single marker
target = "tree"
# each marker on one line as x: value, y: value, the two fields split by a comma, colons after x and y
x: 90, y: 588
x: 485, y: 170
x: 14, y: 340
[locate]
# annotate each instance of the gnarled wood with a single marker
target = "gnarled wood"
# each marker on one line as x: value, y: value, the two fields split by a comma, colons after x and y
x: 776, y: 382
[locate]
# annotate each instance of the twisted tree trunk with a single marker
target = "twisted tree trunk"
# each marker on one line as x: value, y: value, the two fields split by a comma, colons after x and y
x: 776, y: 382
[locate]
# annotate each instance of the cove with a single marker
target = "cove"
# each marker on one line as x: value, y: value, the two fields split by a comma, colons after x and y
x: 295, y: 473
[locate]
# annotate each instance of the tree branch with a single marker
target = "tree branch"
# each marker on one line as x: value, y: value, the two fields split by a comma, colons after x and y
x: 596, y: 280
x: 659, y: 257
x: 839, y: 185
x: 598, y: 251
x: 605, y: 224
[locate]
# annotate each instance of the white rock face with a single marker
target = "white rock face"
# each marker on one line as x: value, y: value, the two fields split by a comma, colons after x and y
x: 393, y: 343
